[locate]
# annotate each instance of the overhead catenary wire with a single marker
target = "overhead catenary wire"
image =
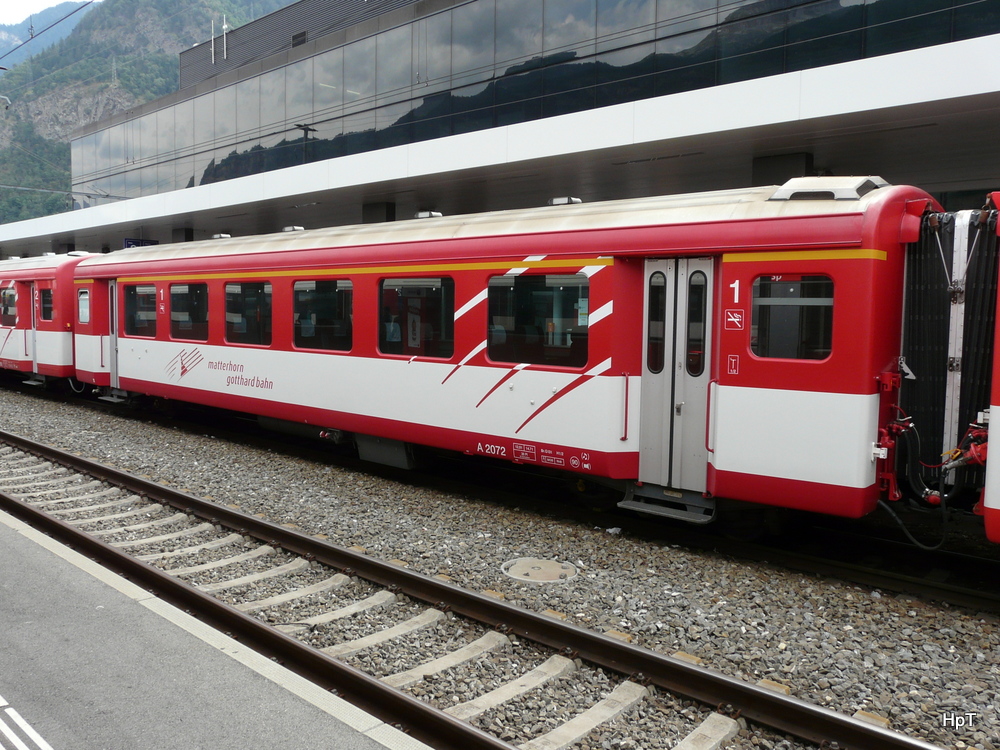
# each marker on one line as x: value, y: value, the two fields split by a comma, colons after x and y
x: 51, y: 25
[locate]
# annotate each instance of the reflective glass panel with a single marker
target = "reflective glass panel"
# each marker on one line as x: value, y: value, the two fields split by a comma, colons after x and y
x: 824, y: 33
x: 140, y: 310
x: 472, y: 28
x: 165, y: 132
x: 328, y: 81
x: 417, y: 317
x: 394, y: 63
x: 656, y: 320
x: 184, y: 125
x: 323, y: 314
x: 624, y: 22
x: 753, y: 48
x: 45, y: 303
x: 8, y: 307
x: 299, y: 90
x: 225, y: 115
x: 686, y: 62
x: 247, y: 107
x: 359, y: 72
x: 147, y: 136
x: 898, y: 25
x: 696, y: 323
x: 248, y: 313
x: 539, y: 319
x: 570, y: 24
x: 792, y: 317
x: 519, y: 31
x: 204, y: 120
x: 189, y: 312
x: 272, y: 97
x: 432, y: 52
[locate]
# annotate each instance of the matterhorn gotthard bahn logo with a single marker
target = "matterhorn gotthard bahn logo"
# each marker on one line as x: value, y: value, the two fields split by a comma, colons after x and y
x: 235, y: 373
x: 183, y: 363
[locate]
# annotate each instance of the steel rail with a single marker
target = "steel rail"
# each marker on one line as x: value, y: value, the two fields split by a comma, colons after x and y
x: 767, y: 707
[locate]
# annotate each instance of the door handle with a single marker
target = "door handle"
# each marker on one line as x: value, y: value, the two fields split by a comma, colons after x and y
x: 677, y: 408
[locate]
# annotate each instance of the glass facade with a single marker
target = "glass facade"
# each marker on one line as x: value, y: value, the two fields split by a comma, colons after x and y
x: 489, y: 63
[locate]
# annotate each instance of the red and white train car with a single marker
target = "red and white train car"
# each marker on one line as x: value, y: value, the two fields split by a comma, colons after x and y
x: 739, y: 344
x: 37, y: 309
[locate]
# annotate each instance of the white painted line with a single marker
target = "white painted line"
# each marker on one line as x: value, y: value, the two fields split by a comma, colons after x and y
x: 28, y: 730
x: 9, y: 734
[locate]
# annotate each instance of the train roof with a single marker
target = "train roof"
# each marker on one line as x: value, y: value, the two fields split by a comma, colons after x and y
x: 46, y: 261
x: 798, y: 198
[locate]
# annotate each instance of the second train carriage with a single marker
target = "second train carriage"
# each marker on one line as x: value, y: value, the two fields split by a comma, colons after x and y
x: 741, y: 344
x: 37, y: 311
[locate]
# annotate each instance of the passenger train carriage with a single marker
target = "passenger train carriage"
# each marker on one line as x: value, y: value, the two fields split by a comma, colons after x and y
x: 746, y: 344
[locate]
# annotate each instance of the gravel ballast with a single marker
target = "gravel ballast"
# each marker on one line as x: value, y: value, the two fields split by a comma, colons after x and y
x: 922, y: 665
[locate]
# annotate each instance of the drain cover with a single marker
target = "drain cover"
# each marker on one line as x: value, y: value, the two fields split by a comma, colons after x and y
x: 539, y: 571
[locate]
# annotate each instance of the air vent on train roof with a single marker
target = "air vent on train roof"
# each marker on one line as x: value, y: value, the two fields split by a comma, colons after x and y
x: 827, y: 188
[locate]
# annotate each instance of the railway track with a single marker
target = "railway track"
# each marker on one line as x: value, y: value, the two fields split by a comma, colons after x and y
x: 324, y: 611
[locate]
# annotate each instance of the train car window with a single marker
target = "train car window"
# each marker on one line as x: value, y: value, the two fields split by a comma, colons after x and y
x: 792, y: 317
x: 47, y: 312
x: 189, y: 312
x: 656, y: 320
x: 140, y: 310
x: 8, y: 307
x: 83, y: 306
x: 323, y: 314
x: 539, y: 319
x: 696, y: 320
x: 417, y: 317
x: 248, y: 313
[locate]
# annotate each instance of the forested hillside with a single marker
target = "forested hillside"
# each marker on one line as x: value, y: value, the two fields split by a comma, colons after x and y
x: 120, y: 54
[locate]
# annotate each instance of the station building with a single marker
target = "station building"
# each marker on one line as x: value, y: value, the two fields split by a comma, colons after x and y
x: 342, y: 111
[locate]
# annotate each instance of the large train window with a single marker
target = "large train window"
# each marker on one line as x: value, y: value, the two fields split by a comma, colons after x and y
x: 189, y: 312
x: 140, y: 310
x: 323, y: 314
x: 792, y: 317
x: 47, y: 312
x: 8, y: 307
x: 417, y: 317
x: 248, y: 313
x: 539, y: 319
x: 83, y: 306
x: 656, y: 320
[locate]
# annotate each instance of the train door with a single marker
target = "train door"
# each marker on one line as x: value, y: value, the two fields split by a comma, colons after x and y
x: 113, y: 332
x: 673, y: 455
x: 32, y: 340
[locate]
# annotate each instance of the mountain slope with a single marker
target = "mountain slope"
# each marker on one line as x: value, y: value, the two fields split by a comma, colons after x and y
x: 121, y: 53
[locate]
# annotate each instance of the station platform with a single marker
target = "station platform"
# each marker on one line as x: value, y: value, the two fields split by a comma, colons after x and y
x: 90, y: 661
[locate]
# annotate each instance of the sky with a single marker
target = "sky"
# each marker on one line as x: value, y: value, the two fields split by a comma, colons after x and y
x: 15, y: 11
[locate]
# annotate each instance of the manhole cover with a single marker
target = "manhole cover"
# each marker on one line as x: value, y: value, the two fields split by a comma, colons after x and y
x: 539, y: 571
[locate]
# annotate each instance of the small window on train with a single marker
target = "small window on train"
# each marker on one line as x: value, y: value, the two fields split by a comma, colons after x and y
x: 8, y: 307
x: 248, y: 313
x: 417, y: 317
x: 140, y: 310
x: 323, y: 314
x: 83, y: 305
x: 189, y: 312
x: 792, y: 317
x: 697, y: 309
x: 656, y: 321
x: 47, y: 312
x: 539, y: 319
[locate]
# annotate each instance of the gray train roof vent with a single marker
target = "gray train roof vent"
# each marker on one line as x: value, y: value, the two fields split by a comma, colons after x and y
x: 827, y: 188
